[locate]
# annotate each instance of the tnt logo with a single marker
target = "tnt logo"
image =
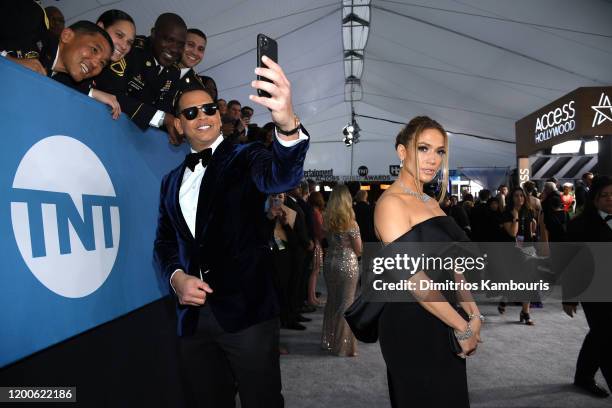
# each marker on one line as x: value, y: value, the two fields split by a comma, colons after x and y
x: 65, y: 216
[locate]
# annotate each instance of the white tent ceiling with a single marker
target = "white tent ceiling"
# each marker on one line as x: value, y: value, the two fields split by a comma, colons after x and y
x: 477, y: 66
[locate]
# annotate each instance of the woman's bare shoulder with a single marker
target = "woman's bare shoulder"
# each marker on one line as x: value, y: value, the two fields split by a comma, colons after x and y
x: 390, y: 217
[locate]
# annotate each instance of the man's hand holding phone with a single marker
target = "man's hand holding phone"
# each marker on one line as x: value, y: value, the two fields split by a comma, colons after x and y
x: 279, y: 103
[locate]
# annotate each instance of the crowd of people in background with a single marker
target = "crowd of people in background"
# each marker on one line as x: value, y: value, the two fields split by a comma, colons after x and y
x: 313, y: 237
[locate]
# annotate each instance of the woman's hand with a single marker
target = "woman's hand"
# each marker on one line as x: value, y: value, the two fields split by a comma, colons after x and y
x: 469, y: 345
x: 476, y: 326
x: 108, y: 99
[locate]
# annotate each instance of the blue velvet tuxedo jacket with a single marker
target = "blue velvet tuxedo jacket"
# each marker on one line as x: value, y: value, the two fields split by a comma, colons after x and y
x: 231, y: 247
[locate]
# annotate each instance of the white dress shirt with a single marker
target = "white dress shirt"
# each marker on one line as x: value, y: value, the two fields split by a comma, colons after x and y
x: 189, y: 192
x: 190, y: 189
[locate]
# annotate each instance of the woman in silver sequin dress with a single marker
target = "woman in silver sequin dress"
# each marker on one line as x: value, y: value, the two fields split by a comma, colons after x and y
x: 341, y: 271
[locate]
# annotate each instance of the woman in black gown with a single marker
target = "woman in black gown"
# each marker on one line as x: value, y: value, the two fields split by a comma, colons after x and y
x: 422, y: 368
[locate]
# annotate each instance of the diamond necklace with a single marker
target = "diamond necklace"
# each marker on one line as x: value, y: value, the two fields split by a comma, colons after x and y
x: 423, y: 197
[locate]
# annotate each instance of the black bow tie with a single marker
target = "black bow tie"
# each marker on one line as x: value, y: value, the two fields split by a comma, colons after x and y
x: 608, y: 217
x: 192, y: 159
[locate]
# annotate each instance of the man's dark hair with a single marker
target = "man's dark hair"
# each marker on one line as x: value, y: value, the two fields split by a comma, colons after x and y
x: 168, y: 19
x: 599, y: 183
x: 247, y: 108
x: 233, y: 102
x: 229, y: 119
x: 484, y: 195
x: 179, y: 95
x: 89, y: 28
x: 587, y: 174
x: 268, y: 127
x: 529, y: 186
x: 110, y: 17
x: 197, y: 32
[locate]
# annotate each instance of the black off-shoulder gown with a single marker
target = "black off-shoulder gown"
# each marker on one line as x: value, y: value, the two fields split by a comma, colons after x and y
x: 422, y: 370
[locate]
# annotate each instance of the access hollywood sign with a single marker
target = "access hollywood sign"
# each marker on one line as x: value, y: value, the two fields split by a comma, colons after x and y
x: 556, y: 122
x: 65, y: 216
x: 581, y: 113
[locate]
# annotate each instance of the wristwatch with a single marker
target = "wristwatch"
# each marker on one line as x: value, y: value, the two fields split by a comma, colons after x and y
x: 297, y: 127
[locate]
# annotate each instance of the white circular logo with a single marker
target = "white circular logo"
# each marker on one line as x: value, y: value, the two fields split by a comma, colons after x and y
x: 65, y: 216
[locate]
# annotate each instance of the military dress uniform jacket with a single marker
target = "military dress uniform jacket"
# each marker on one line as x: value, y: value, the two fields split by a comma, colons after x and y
x: 24, y: 28
x: 147, y: 81
x: 112, y: 80
x: 24, y: 32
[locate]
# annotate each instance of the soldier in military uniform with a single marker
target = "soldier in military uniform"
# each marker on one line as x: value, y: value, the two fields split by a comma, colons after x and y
x: 81, y: 52
x: 152, y: 72
x: 195, y: 46
x: 22, y: 32
x: 110, y: 87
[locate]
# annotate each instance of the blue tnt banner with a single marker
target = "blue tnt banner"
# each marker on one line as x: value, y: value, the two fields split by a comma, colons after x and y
x: 79, y: 195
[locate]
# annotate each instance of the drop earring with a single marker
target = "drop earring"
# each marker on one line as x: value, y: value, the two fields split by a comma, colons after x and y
x: 439, y: 180
x: 402, y: 163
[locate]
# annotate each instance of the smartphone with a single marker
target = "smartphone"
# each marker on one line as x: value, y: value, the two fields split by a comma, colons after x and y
x: 268, y: 47
x: 276, y: 202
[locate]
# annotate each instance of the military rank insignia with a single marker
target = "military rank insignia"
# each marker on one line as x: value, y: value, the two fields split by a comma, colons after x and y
x: 119, y: 67
x: 136, y: 83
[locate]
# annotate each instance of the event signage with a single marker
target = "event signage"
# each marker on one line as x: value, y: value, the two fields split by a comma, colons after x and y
x: 327, y: 176
x: 65, y: 218
x: 582, y: 112
x: 394, y: 170
x: 80, y: 194
x: 555, y: 122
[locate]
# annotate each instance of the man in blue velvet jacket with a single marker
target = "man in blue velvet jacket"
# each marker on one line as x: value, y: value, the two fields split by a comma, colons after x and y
x: 212, y: 246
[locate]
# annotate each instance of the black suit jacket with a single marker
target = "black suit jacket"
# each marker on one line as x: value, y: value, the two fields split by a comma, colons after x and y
x: 579, y: 270
x: 364, y: 215
x: 231, y: 248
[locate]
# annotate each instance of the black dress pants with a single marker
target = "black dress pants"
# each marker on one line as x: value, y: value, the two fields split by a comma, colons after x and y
x: 596, y: 351
x: 215, y: 364
x: 282, y: 281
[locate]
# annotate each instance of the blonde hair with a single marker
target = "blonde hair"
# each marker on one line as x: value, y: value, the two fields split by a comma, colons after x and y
x: 339, y: 215
x: 410, y: 135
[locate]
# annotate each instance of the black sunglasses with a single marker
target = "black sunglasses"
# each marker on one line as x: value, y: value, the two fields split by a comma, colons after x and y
x: 191, y: 113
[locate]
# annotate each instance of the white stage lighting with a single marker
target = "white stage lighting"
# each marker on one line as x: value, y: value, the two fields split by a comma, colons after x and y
x: 569, y: 147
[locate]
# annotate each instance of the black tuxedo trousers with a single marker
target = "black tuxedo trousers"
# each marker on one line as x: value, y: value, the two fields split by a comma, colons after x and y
x: 214, y: 361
